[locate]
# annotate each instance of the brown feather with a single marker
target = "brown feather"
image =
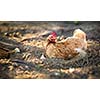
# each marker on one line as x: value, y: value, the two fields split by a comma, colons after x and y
x: 65, y: 48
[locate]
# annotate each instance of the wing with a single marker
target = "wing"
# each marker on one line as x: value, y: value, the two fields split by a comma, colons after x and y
x: 66, y: 49
x: 60, y: 50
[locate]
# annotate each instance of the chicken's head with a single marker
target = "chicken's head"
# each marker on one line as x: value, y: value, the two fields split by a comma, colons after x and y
x: 79, y: 34
x: 52, y: 37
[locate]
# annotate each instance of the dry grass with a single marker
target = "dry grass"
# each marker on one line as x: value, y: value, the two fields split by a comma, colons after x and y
x: 30, y: 37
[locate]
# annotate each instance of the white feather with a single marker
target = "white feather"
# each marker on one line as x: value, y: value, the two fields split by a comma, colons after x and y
x: 78, y: 49
x: 81, y: 52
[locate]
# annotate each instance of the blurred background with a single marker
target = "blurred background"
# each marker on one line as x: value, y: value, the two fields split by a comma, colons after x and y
x: 29, y: 37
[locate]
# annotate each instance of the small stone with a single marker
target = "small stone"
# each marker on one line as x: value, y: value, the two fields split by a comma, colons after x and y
x: 17, y: 50
x: 6, y: 34
x: 17, y: 33
x: 71, y: 70
x: 57, y: 74
x: 11, y: 68
x: 42, y: 57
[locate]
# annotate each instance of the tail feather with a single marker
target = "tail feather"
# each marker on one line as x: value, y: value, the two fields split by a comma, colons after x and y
x: 81, y: 52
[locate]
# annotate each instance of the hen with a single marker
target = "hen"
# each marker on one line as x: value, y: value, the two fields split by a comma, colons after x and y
x: 71, y: 47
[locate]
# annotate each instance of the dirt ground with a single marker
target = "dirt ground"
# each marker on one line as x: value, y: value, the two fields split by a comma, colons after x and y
x: 30, y: 37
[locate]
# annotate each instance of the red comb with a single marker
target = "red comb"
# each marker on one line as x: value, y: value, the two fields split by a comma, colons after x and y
x: 54, y: 34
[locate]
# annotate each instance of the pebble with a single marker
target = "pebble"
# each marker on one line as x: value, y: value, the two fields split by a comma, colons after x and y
x: 11, y: 68
x: 42, y: 57
x: 71, y: 70
x: 17, y: 50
